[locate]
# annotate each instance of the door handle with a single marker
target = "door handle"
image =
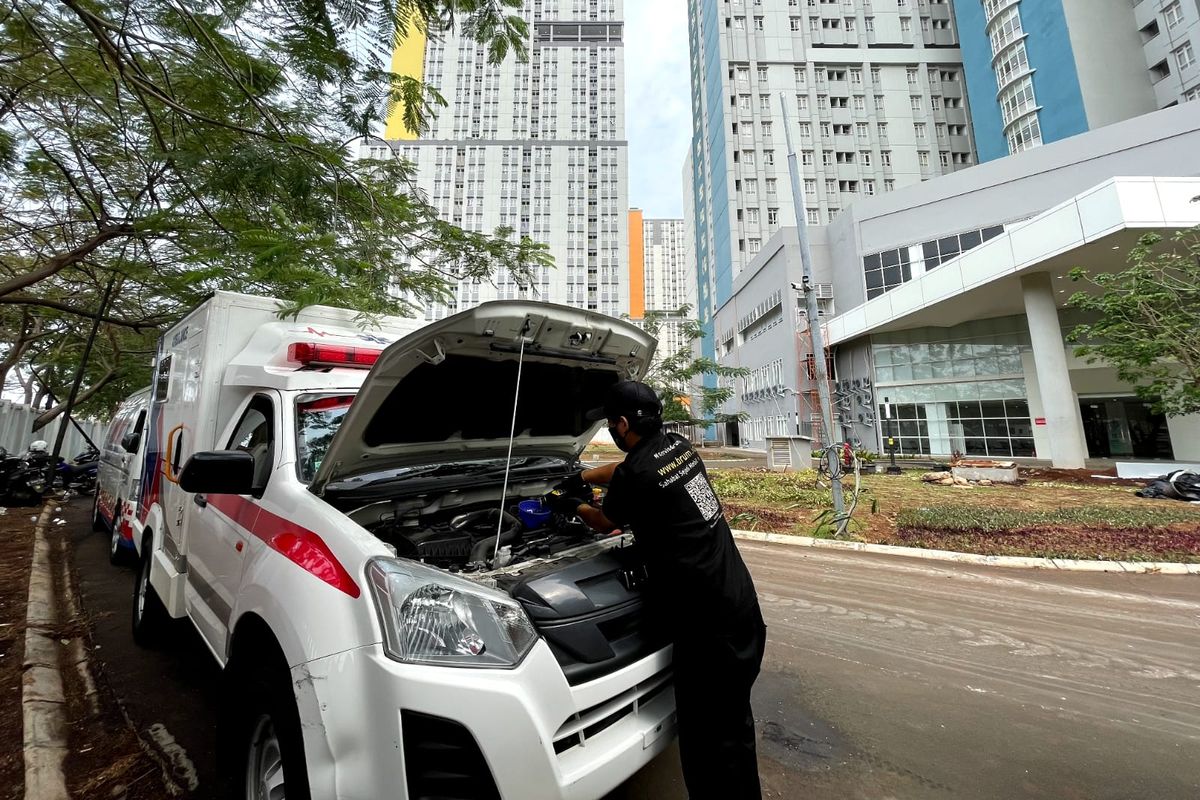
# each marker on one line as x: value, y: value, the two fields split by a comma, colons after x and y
x: 200, y: 500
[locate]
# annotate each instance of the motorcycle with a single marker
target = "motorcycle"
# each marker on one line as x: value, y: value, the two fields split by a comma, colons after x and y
x: 78, y: 474
x: 23, y: 479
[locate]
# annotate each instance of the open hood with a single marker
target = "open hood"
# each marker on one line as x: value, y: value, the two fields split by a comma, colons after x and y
x: 445, y: 392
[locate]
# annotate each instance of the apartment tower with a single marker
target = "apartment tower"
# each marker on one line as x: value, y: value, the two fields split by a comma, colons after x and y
x: 875, y: 96
x: 537, y: 146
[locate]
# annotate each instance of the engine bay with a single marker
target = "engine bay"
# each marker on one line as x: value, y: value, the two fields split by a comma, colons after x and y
x: 464, y: 538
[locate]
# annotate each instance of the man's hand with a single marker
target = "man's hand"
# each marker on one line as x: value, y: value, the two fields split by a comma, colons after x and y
x: 564, y: 503
x: 575, y: 486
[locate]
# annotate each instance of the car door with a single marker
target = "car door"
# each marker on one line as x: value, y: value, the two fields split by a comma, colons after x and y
x: 221, y: 525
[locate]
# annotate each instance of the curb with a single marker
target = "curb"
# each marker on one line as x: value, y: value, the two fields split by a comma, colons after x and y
x: 42, y: 699
x: 1022, y: 562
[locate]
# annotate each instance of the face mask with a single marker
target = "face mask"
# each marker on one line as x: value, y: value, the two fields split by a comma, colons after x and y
x: 618, y: 439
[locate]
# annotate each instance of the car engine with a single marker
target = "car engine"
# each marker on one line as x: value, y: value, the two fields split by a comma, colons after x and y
x: 464, y: 540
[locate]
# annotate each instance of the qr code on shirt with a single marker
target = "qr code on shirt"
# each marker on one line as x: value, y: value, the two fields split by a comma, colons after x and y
x: 702, y: 495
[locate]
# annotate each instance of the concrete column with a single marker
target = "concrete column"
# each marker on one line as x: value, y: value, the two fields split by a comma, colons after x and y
x: 1068, y: 449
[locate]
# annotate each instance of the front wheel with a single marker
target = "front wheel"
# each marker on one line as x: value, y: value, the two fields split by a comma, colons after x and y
x: 149, y: 613
x: 98, y: 524
x: 273, y: 747
x: 116, y: 553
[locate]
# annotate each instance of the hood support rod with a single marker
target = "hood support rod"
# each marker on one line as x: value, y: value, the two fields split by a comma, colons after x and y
x: 512, y: 434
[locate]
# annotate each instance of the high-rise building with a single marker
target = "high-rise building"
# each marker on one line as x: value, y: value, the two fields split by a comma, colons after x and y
x: 661, y: 278
x: 1043, y: 70
x: 537, y: 146
x: 876, y: 99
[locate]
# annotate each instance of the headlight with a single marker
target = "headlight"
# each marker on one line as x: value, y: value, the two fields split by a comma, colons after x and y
x: 429, y: 617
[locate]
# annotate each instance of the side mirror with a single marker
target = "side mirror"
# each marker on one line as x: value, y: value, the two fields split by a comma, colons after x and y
x: 130, y: 442
x: 218, y: 472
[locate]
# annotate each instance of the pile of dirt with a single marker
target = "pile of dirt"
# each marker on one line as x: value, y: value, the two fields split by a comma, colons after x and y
x: 1079, y: 477
x: 1175, y: 543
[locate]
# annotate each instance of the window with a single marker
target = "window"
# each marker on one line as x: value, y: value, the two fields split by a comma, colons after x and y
x: 810, y: 187
x: 868, y: 187
x: 772, y: 186
x: 889, y: 185
x: 885, y: 158
x: 772, y: 216
x: 748, y: 158
x: 806, y: 130
x: 1173, y: 14
x: 912, y: 76
x: 915, y: 102
x: 758, y: 23
x: 864, y: 157
x: 856, y: 77
x: 754, y: 245
x: 317, y: 418
x: 848, y: 24
x: 769, y: 157
x: 935, y: 103
x: 827, y: 158
x: 762, y: 74
x: 1185, y: 56
x: 860, y: 103
x: 813, y: 215
x: 802, y: 102
x: 875, y: 77
x: 906, y: 25
x: 800, y: 76
x: 255, y: 435
x: 944, y: 158
x: 806, y: 158
x: 751, y: 215
x: 764, y: 103
x: 743, y: 74
x: 739, y: 23
x: 920, y: 128
x: 794, y: 23
x: 923, y: 158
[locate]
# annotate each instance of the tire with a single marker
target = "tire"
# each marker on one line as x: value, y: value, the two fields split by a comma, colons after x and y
x: 149, y: 617
x: 98, y: 524
x: 271, y: 761
x: 116, y: 553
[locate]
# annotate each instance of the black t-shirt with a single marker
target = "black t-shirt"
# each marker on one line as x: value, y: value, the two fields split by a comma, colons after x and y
x: 697, y: 576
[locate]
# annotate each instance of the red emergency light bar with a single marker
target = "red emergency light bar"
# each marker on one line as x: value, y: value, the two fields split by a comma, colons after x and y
x: 311, y: 354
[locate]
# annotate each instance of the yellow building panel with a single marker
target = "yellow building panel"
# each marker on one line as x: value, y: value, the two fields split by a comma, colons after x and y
x: 408, y: 59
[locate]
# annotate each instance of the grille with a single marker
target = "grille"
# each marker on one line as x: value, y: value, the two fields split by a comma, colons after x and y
x: 442, y: 761
x: 587, y: 723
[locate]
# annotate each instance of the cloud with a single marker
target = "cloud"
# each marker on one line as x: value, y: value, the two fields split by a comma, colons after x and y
x: 658, y: 114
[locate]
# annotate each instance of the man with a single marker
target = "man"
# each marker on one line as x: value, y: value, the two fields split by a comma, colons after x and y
x: 698, y: 584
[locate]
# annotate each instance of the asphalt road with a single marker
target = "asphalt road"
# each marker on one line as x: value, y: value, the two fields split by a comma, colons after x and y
x: 884, y: 678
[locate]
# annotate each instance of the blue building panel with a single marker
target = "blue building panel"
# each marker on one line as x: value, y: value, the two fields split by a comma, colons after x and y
x: 1056, y: 81
x: 986, y: 121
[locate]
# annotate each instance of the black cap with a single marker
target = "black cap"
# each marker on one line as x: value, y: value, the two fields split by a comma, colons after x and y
x: 628, y: 399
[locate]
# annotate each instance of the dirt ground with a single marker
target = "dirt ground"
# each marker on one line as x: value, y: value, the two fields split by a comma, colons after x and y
x: 105, y: 758
x: 16, y: 549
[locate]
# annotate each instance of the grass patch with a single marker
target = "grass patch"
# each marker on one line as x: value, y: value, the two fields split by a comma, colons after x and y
x: 792, y: 489
x: 991, y: 519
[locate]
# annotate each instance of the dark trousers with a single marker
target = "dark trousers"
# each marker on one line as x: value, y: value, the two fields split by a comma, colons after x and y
x: 713, y: 677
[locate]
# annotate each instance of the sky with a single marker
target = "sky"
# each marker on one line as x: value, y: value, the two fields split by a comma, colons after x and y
x: 658, y: 115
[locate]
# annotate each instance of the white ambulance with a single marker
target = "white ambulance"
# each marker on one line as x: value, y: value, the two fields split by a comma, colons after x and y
x: 118, y: 474
x: 337, y: 511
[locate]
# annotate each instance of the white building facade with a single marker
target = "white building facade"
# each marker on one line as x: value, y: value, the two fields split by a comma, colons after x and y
x: 952, y: 317
x: 536, y: 146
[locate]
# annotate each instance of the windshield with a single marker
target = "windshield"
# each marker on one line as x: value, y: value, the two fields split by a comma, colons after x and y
x: 318, y: 418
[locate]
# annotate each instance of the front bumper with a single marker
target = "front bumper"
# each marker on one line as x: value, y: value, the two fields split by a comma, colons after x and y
x: 542, y: 739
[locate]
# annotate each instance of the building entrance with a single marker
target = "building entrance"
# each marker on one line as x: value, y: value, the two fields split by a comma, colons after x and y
x: 1124, y: 427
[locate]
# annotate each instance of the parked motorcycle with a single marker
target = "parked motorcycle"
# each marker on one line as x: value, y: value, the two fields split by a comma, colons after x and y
x: 24, y: 479
x: 78, y: 474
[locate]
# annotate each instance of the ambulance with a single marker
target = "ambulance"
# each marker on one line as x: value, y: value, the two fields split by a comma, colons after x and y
x: 118, y: 474
x: 348, y: 511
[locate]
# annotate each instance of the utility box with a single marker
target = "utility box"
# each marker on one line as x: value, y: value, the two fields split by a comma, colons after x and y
x: 789, y: 453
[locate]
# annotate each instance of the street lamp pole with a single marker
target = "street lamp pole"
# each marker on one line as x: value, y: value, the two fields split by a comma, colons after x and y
x: 820, y: 368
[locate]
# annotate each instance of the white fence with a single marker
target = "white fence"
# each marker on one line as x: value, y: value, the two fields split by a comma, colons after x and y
x: 16, y: 430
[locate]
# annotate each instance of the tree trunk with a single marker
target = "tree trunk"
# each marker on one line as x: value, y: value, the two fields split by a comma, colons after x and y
x: 51, y: 413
